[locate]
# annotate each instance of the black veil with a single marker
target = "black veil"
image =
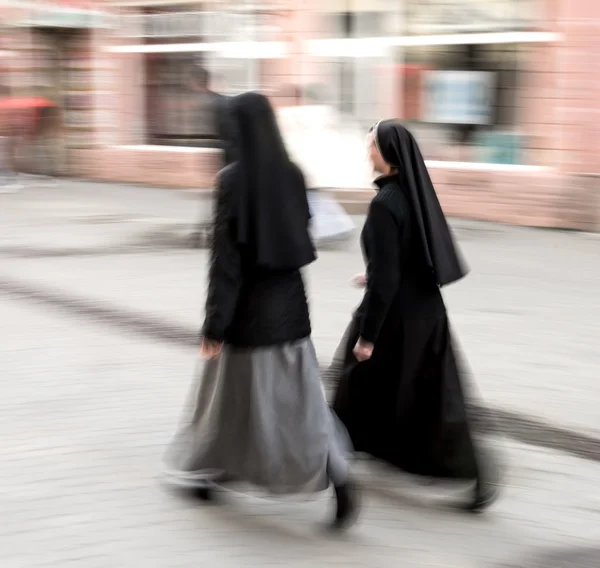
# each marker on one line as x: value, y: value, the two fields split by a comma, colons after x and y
x: 401, y: 151
x: 269, y: 205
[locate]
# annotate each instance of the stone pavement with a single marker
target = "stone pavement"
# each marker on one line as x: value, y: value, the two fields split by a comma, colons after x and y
x: 527, y: 316
x: 86, y: 411
x: 88, y: 404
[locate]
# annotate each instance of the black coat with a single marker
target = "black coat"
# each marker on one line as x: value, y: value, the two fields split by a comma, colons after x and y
x: 405, y: 405
x: 249, y: 306
x: 401, y: 284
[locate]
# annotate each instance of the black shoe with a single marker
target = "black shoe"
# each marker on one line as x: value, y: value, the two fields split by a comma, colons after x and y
x: 488, y: 483
x: 484, y: 496
x: 347, y: 506
x: 204, y: 493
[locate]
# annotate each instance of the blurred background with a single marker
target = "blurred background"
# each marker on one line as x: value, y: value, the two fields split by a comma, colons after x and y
x: 500, y: 93
x: 108, y: 153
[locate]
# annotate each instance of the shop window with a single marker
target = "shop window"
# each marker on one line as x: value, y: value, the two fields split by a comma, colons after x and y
x: 350, y: 77
x: 176, y: 113
x: 462, y: 102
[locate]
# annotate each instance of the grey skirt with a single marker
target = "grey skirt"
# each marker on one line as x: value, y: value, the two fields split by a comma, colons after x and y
x: 260, y: 416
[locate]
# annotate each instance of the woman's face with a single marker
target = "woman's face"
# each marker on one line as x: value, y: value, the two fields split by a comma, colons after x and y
x: 377, y: 161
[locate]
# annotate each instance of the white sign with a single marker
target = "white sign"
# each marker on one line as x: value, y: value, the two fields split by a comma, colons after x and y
x: 458, y: 97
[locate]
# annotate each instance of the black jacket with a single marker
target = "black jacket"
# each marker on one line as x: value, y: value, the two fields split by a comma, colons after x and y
x: 400, y: 284
x: 249, y: 306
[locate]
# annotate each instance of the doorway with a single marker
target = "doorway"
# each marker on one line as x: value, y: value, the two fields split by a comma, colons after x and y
x: 62, y: 73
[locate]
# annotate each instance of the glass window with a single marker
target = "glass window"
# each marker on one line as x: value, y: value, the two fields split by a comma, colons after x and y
x: 353, y: 74
x: 176, y: 112
x: 171, y: 108
x: 462, y: 102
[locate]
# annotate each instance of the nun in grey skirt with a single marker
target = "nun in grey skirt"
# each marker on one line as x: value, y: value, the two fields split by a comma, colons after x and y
x: 259, y: 412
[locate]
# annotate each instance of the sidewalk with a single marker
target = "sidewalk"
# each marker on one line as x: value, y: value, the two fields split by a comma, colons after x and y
x: 85, y: 413
x: 86, y: 408
x: 527, y: 316
x: 79, y: 214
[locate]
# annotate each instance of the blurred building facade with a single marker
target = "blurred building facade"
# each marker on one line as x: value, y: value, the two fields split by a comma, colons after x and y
x: 502, y: 94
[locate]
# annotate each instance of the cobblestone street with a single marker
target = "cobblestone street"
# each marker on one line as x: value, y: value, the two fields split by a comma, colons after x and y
x: 87, y: 405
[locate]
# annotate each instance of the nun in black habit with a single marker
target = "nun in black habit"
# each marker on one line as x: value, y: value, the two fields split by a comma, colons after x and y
x: 399, y: 388
x: 259, y: 413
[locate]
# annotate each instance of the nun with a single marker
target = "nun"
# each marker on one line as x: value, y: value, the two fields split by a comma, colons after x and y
x: 259, y: 413
x: 399, y: 389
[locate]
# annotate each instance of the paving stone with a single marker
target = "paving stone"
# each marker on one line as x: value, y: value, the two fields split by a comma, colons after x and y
x: 86, y: 412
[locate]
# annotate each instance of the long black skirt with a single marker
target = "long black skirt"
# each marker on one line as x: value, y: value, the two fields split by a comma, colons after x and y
x: 406, y: 405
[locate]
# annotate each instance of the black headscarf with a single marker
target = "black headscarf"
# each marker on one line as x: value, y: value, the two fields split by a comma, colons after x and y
x: 269, y: 204
x: 401, y: 151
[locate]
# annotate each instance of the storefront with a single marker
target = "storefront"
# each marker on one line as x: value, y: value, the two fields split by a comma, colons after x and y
x: 499, y: 93
x: 164, y: 135
x: 481, y: 83
x: 53, y: 57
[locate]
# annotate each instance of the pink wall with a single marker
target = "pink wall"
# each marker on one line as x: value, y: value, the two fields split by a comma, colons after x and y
x: 579, y: 85
x: 560, y: 113
x: 153, y: 166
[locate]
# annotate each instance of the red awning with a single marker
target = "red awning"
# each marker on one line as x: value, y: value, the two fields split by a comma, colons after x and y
x: 26, y: 103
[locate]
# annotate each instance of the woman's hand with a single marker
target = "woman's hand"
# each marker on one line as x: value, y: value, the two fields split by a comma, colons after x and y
x: 210, y: 349
x: 359, y: 280
x: 363, y: 350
